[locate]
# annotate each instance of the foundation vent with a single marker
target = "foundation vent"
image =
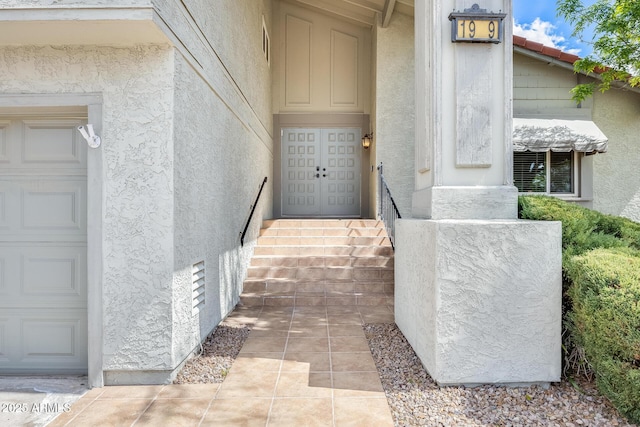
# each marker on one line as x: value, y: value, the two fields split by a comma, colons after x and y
x: 198, y: 287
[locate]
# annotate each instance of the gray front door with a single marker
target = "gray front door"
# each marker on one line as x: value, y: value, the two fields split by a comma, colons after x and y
x: 43, y: 244
x: 321, y: 172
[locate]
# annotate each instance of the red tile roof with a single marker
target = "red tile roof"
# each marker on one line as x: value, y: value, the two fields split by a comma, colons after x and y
x: 551, y: 52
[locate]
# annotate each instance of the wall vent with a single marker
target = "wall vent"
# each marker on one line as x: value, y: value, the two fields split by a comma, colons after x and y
x: 198, y: 287
x: 266, y: 42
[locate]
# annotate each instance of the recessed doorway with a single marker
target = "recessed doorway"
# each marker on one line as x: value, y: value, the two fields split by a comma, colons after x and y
x: 321, y: 172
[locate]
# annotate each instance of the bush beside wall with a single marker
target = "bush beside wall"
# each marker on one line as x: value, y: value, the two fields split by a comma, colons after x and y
x: 582, y: 229
x: 601, y: 267
x: 605, y: 321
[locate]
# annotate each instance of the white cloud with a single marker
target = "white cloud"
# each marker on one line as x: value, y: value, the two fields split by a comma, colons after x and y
x: 543, y: 32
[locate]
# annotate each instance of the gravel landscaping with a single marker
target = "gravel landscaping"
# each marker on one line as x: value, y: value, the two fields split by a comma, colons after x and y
x: 415, y: 399
x: 217, y: 354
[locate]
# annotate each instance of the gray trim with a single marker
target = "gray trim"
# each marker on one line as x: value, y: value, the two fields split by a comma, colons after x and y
x: 49, y: 100
x: 387, y: 12
x: 454, y: 202
x: 140, y: 377
x: 508, y: 101
x: 435, y: 109
x: 95, y: 239
x: 75, y: 13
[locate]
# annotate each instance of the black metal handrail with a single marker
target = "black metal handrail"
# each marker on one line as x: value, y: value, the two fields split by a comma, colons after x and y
x: 253, y: 208
x: 387, y: 208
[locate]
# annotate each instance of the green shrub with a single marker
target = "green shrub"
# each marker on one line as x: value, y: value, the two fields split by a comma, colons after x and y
x: 601, y: 295
x: 582, y: 228
x: 622, y: 228
x: 605, y: 321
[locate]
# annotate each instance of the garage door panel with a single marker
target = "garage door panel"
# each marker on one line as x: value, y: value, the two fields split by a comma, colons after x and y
x: 4, y: 348
x: 62, y: 202
x: 10, y: 214
x: 9, y: 274
x: 4, y: 141
x: 50, y: 208
x: 3, y: 276
x: 57, y: 338
x: 3, y: 210
x: 52, y: 143
x: 5, y: 204
x: 63, y: 274
x: 43, y: 245
x: 41, y: 276
x: 44, y: 341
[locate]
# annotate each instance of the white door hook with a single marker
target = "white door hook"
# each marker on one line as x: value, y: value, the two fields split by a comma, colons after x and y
x: 89, y: 135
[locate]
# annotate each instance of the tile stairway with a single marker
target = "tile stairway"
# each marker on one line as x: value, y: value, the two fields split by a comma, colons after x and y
x: 321, y: 263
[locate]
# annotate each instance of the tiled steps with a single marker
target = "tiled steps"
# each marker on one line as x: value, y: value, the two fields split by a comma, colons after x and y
x: 320, y: 262
x: 320, y: 250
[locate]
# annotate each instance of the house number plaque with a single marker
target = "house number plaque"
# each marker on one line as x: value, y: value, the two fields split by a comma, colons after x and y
x: 476, y: 25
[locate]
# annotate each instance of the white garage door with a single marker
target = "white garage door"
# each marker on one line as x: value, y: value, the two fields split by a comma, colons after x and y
x: 43, y: 243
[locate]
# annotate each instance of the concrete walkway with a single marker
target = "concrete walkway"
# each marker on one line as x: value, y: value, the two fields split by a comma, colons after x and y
x: 300, y: 366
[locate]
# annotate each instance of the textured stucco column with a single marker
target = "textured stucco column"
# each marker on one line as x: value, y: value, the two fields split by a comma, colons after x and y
x: 478, y: 292
x: 479, y: 301
x: 464, y: 162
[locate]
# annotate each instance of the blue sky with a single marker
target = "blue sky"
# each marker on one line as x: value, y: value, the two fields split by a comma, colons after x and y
x: 536, y: 20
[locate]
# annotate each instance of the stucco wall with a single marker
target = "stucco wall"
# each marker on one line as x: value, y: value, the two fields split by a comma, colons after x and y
x: 235, y: 32
x: 136, y: 85
x: 395, y: 108
x: 225, y: 39
x: 223, y: 149
x: 480, y: 301
x: 219, y: 164
x: 616, y: 180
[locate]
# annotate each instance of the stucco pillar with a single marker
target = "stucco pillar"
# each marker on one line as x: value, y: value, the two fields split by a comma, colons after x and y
x: 463, y: 118
x: 478, y: 292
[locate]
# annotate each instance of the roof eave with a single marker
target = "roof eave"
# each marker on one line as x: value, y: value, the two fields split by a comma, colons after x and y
x: 544, y: 58
x: 567, y: 66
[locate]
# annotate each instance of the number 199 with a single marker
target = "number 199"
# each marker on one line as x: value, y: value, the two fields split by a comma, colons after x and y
x: 468, y: 29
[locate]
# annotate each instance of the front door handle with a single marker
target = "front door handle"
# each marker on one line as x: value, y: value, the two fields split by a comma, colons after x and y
x: 317, y: 175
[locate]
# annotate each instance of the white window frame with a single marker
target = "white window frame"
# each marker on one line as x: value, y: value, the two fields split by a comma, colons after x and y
x: 577, y: 166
